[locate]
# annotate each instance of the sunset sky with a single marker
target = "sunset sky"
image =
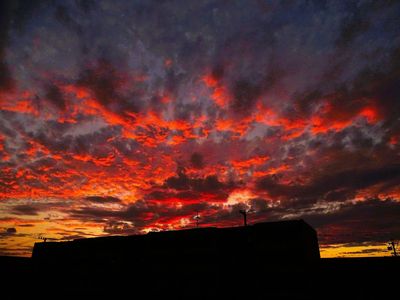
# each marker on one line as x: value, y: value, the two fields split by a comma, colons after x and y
x: 124, y: 117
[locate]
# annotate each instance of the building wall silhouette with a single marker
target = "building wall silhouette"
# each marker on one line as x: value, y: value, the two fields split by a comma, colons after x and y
x: 271, y: 242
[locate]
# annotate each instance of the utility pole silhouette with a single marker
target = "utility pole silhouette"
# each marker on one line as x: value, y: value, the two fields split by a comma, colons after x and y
x: 392, y: 246
x: 197, y: 218
x: 244, y: 213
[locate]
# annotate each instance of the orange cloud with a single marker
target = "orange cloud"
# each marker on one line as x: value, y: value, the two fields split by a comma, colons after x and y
x: 219, y: 92
x: 254, y: 161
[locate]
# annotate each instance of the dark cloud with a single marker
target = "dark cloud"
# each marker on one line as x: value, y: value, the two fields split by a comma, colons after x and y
x: 110, y: 87
x: 7, y: 82
x: 218, y: 72
x: 207, y: 184
x: 55, y: 96
x: 370, y: 220
x: 103, y: 80
x: 366, y: 251
x: 306, y: 102
x: 86, y: 5
x: 11, y: 230
x: 351, y: 28
x: 245, y: 95
x: 6, y: 79
x: 135, y: 217
x: 14, y: 15
x: 167, y: 195
x: 180, y: 182
x: 332, y: 186
x: 259, y: 204
x: 197, y: 161
x: 129, y: 210
x: 25, y: 209
x: 116, y: 227
x: 63, y: 15
x: 100, y: 199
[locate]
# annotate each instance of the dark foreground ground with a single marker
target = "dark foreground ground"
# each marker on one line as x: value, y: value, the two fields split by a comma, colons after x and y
x: 361, y: 278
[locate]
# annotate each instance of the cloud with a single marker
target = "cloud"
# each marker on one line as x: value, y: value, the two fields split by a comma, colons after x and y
x: 197, y: 160
x: 209, y: 183
x: 371, y: 220
x: 8, y: 232
x: 120, y: 228
x: 100, y: 199
x: 103, y: 80
x: 25, y: 209
x: 351, y: 28
x: 245, y: 95
x: 55, y: 97
x: 11, y: 230
x: 6, y: 79
x: 366, y: 251
x: 332, y: 186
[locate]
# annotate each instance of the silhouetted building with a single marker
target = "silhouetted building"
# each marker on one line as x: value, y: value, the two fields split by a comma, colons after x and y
x: 277, y: 260
x: 272, y: 242
x: 203, y: 263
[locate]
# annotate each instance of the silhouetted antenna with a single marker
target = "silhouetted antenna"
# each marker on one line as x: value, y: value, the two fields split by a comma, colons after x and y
x: 197, y: 218
x: 392, y: 246
x: 41, y: 237
x: 244, y: 213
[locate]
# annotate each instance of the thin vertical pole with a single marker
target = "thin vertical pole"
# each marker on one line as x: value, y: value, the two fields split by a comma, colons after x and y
x: 394, y: 248
x: 244, y: 213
